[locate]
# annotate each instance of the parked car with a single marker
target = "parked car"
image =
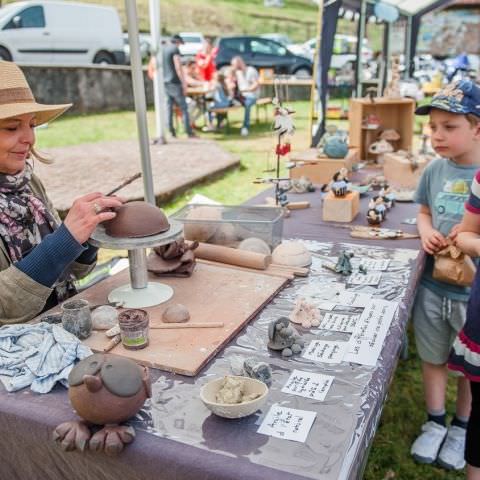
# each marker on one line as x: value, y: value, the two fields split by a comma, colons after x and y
x: 193, y: 42
x: 55, y: 32
x: 344, y: 50
x: 296, y: 48
x: 262, y: 53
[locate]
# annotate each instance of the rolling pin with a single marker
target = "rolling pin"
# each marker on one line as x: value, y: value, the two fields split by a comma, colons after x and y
x: 232, y: 256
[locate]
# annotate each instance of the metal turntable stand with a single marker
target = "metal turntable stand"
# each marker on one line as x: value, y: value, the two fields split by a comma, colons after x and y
x: 139, y: 292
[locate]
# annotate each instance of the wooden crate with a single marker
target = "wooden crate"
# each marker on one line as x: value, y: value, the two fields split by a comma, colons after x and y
x: 340, y: 209
x: 392, y: 113
x: 398, y: 171
x: 321, y: 169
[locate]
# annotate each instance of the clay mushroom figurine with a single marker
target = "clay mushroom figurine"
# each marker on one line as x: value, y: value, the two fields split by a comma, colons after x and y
x: 380, y: 148
x: 104, y: 390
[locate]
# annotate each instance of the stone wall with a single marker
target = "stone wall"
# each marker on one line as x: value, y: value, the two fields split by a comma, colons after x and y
x: 97, y: 89
x: 91, y: 89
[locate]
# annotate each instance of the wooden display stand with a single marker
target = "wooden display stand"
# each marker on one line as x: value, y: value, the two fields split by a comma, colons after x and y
x: 399, y: 170
x: 341, y: 209
x: 393, y: 113
x: 320, y: 169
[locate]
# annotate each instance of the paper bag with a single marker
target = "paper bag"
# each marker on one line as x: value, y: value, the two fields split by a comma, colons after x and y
x: 454, y: 267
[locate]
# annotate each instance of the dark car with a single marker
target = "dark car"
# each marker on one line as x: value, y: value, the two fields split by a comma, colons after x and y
x: 262, y: 53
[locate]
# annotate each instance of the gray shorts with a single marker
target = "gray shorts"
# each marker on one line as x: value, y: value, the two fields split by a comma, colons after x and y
x: 436, y: 322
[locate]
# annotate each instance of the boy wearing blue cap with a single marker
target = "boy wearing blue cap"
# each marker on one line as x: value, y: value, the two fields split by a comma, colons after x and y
x: 440, y: 308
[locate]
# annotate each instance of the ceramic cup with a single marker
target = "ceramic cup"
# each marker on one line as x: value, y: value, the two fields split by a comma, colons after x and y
x: 76, y: 318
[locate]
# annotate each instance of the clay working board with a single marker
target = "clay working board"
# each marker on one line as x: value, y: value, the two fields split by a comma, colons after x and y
x: 212, y: 294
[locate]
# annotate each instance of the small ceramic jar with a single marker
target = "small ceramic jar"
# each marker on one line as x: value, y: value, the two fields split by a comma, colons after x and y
x: 77, y: 318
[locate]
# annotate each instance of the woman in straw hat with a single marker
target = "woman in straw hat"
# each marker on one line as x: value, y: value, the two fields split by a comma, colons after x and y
x: 39, y: 255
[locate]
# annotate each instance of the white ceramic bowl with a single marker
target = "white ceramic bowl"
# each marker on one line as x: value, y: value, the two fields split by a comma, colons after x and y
x: 236, y: 410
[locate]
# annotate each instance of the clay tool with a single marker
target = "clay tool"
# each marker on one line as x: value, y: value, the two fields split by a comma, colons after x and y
x: 232, y: 256
x: 114, y: 331
x: 188, y: 325
x: 113, y: 342
x: 124, y: 184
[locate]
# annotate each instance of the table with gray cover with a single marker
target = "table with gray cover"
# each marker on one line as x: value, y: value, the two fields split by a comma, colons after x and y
x: 178, y: 438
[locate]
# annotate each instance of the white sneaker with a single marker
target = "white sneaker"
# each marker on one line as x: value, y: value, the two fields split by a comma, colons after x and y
x: 244, y: 131
x: 425, y: 448
x: 452, y: 453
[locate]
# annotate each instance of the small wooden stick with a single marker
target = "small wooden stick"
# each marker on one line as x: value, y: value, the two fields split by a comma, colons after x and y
x: 124, y: 184
x: 188, y: 325
x: 112, y: 343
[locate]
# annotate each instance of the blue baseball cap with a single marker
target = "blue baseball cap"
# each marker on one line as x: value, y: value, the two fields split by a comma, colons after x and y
x: 460, y: 97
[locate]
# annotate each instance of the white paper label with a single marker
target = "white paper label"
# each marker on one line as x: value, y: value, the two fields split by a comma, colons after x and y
x: 372, y: 264
x: 339, y: 322
x: 353, y: 299
x: 287, y: 423
x: 309, y: 385
x: 325, y: 351
x: 370, y: 332
x: 372, y: 278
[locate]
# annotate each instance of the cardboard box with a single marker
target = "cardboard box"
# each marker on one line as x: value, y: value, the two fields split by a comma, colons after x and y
x: 399, y: 170
x: 320, y: 170
x: 341, y: 209
x: 392, y: 113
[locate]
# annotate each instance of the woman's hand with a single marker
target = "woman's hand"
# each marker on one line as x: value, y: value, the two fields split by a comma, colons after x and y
x: 433, y: 241
x: 87, y: 212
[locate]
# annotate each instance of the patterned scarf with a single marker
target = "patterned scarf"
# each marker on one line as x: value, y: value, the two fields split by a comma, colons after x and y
x: 24, y: 219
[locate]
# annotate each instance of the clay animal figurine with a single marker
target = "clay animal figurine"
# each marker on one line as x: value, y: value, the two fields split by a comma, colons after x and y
x: 385, y: 199
x: 390, y: 196
x: 373, y: 217
x: 343, y: 265
x: 340, y: 185
x: 259, y: 370
x: 306, y: 314
x: 284, y: 338
x: 380, y: 205
x: 104, y: 390
x: 380, y: 148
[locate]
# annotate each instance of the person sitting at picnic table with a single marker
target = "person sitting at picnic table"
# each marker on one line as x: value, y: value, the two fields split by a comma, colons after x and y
x: 249, y: 87
x: 192, y: 78
x: 205, y: 60
x: 40, y: 256
x: 221, y: 99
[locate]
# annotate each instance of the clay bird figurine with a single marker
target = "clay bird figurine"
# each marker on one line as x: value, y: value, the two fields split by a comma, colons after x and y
x: 104, y: 390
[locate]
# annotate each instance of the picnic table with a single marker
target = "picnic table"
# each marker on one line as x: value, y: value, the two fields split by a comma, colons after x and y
x: 178, y: 438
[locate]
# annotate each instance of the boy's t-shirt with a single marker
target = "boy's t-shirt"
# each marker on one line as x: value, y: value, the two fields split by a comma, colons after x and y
x: 444, y: 187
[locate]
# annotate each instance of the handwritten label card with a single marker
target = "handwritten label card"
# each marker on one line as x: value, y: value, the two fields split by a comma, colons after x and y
x: 309, y: 385
x: 325, y: 351
x: 367, y: 339
x: 379, y: 265
x: 358, y: 278
x: 287, y: 423
x: 353, y: 299
x: 338, y: 322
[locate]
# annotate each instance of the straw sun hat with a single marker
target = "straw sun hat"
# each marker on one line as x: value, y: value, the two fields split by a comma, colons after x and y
x: 16, y: 98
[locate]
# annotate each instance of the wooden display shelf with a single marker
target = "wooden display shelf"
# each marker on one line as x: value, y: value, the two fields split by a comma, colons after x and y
x: 392, y: 113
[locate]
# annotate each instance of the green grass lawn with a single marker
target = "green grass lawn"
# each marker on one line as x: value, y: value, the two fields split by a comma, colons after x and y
x: 404, y: 412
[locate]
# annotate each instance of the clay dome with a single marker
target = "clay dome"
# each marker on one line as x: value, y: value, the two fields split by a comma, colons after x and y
x: 137, y: 219
x: 293, y: 254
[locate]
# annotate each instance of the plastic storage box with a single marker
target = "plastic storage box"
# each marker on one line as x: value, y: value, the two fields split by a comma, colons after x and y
x: 229, y: 225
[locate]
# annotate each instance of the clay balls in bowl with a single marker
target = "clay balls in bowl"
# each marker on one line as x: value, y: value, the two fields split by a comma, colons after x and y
x: 220, y: 394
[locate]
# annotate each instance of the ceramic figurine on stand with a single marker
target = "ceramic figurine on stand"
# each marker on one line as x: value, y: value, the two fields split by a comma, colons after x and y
x: 104, y: 390
x: 340, y: 184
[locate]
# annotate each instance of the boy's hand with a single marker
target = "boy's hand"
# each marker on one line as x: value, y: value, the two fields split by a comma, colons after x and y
x: 454, y: 232
x: 433, y: 241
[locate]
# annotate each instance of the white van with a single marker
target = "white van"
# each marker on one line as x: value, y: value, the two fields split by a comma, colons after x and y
x: 60, y: 33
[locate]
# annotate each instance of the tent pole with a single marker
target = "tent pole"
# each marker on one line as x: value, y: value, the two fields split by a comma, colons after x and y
x: 139, y: 98
x: 408, y: 47
x: 361, y: 35
x: 158, y: 87
x: 317, y: 74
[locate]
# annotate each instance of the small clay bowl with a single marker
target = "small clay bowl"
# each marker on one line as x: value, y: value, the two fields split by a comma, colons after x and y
x: 235, y: 410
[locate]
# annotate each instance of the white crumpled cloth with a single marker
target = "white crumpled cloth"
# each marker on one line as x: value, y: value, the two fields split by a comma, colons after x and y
x: 38, y: 355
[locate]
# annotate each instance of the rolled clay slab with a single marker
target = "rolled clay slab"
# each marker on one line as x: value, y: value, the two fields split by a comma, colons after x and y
x: 201, y: 230
x: 254, y: 244
x: 292, y: 254
x: 176, y: 313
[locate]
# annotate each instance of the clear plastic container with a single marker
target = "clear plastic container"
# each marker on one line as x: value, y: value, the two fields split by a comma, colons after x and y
x: 228, y: 224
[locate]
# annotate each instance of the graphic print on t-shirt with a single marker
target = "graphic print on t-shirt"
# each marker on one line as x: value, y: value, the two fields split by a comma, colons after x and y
x: 449, y: 203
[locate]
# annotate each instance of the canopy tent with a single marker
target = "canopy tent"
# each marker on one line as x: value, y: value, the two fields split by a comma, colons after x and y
x: 412, y: 10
